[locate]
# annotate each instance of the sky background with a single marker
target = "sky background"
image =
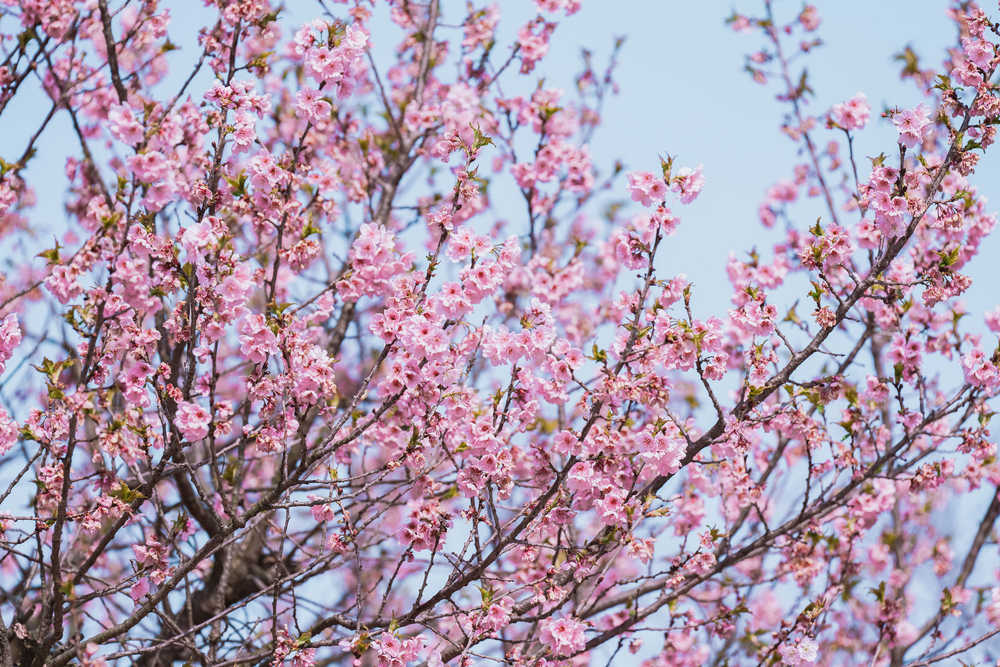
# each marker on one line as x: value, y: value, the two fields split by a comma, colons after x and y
x: 682, y: 92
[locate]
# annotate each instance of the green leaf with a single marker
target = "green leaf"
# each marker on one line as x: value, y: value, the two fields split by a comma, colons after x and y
x: 816, y: 293
x: 943, y: 82
x: 947, y: 602
x: 879, y: 592
x: 125, y: 494
x: 232, y: 467
x: 479, y: 139
x: 52, y: 254
x: 666, y: 165
x: 948, y: 258
x: 599, y: 354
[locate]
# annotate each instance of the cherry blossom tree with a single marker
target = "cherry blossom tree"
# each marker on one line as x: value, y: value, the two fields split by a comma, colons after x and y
x: 344, y: 361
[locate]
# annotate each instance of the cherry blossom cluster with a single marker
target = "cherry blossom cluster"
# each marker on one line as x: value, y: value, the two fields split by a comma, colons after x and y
x: 351, y: 349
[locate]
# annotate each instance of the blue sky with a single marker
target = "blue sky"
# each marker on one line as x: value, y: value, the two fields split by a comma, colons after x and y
x: 683, y: 92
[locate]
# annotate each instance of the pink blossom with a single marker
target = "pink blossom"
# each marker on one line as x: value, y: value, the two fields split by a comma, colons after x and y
x: 123, y: 124
x: 480, y: 31
x: 10, y: 338
x: 139, y: 590
x: 646, y: 188
x: 394, y: 652
x: 993, y: 609
x: 980, y: 370
x: 825, y: 317
x: 192, y: 421
x: 688, y: 182
x: 992, y: 318
x: 803, y: 652
x: 341, y: 66
x: 257, y: 339
x: 198, y: 236
x: 852, y: 114
x: 564, y: 636
x: 62, y: 283
x: 8, y: 432
x: 809, y: 17
x: 311, y: 105
x: 533, y: 42
x: 569, y: 6
x: 979, y: 51
x: 463, y: 421
x: 321, y: 511
x: 913, y: 125
x: 426, y: 527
